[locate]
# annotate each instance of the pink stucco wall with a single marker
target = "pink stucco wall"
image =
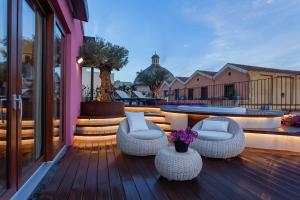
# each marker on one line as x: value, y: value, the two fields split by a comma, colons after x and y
x: 74, y: 39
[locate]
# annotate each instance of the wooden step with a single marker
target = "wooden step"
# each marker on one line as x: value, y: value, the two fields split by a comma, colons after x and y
x: 94, y: 138
x: 142, y: 109
x: 115, y: 124
x: 94, y: 134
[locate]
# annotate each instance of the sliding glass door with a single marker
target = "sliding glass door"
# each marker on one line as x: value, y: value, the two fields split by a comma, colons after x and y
x: 31, y: 89
x: 58, y: 96
x: 31, y: 84
x: 3, y: 96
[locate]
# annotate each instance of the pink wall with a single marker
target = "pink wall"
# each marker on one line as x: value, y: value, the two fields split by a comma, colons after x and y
x: 74, y: 39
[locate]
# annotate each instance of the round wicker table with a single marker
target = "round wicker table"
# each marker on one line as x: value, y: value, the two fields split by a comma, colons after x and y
x: 178, y: 166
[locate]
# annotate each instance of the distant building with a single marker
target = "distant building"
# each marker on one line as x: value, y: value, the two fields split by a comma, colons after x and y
x: 120, y: 84
x: 258, y: 86
x: 140, y: 86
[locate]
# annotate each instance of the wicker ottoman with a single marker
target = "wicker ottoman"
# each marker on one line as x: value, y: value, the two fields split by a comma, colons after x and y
x: 178, y: 166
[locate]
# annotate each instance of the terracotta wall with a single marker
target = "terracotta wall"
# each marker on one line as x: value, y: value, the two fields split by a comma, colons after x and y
x: 229, y: 76
x: 164, y: 87
x: 181, y: 89
x: 197, y: 82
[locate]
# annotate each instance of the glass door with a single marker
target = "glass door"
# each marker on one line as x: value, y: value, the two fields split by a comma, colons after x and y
x: 58, y: 92
x: 30, y: 87
x: 3, y: 96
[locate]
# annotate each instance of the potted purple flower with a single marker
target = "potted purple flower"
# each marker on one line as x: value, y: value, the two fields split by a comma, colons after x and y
x: 183, y: 138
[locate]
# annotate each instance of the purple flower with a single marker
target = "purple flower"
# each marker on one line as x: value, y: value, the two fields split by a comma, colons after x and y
x: 186, y: 135
x: 291, y: 120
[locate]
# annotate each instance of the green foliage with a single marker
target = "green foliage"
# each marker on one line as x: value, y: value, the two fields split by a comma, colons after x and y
x: 154, y: 80
x: 3, y: 48
x: 99, y: 53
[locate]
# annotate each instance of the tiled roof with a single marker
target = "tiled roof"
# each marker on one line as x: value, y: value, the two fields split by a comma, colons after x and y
x: 264, y: 69
x: 182, y: 78
x: 210, y: 73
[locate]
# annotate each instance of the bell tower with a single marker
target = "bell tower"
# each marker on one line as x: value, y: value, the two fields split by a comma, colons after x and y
x: 155, y: 59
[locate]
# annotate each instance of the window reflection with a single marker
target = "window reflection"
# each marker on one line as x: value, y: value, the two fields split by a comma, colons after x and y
x: 58, y: 89
x: 31, y: 118
x: 3, y: 95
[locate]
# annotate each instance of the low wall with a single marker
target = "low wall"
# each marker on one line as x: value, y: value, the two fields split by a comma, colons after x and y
x: 272, y: 141
x: 180, y: 120
x: 253, y: 140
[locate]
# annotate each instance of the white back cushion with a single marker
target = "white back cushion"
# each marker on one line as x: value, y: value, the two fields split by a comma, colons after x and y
x: 146, y: 134
x: 214, y: 135
x: 136, y: 121
x: 210, y: 125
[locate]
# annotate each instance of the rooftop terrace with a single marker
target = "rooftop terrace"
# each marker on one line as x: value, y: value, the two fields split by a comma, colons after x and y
x: 102, y: 171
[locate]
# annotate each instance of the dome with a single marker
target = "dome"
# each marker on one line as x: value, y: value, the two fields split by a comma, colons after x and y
x: 151, y: 70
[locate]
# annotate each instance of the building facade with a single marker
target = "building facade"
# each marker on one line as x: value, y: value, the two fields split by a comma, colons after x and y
x: 246, y: 85
x: 40, y: 84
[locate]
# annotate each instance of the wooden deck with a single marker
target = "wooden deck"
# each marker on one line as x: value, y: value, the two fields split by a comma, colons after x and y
x: 102, y: 171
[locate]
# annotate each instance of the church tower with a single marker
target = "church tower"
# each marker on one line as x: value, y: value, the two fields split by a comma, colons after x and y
x: 155, y: 59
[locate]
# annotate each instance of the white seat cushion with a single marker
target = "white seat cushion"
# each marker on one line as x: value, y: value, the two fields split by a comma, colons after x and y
x: 136, y: 121
x: 213, y: 135
x: 212, y: 125
x: 149, y: 134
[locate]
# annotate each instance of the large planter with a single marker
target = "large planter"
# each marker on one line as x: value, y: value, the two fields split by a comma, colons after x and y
x: 102, y: 109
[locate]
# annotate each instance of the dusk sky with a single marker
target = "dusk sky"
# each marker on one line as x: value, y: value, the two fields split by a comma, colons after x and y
x: 193, y: 34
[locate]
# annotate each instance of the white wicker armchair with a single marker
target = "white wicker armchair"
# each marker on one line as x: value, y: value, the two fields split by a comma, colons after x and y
x: 139, y: 147
x: 223, y: 148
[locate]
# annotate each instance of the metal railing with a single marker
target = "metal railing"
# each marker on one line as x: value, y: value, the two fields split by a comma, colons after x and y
x: 280, y: 93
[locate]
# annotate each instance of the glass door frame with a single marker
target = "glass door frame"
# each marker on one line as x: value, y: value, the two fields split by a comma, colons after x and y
x: 62, y: 84
x: 14, y: 60
x: 22, y: 178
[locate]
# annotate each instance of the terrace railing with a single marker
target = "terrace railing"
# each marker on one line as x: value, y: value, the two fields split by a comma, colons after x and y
x: 280, y: 93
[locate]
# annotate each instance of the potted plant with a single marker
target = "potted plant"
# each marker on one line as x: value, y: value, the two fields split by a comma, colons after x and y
x: 98, y: 53
x: 183, y: 138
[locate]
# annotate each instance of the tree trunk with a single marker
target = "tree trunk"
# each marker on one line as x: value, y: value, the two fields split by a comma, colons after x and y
x: 155, y: 91
x: 106, y: 88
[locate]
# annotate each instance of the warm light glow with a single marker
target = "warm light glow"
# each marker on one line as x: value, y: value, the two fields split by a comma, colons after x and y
x: 94, y: 138
x: 79, y: 60
x: 104, y: 121
x: 97, y: 130
x: 142, y: 109
x: 273, y: 141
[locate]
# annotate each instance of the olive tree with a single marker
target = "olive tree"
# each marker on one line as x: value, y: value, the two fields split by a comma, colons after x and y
x: 107, y: 57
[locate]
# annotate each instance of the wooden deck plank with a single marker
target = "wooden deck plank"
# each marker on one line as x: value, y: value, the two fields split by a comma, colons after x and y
x: 283, y: 171
x: 233, y: 176
x: 151, y: 178
x: 59, y: 175
x: 66, y: 185
x: 141, y: 185
x: 80, y: 178
x: 102, y: 171
x: 128, y: 184
x: 103, y: 190
x: 262, y: 179
x: 116, y: 187
x: 90, y: 188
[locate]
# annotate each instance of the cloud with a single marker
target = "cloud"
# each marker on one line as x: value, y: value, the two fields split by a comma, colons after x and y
x: 248, y: 34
